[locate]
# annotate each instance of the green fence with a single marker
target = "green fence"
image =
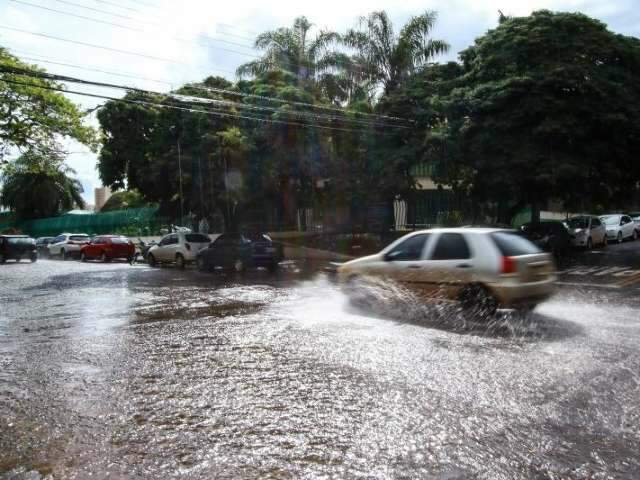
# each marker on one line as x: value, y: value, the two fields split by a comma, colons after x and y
x: 132, y: 222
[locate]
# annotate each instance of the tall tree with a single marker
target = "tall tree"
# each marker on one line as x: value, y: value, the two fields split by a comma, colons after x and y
x: 548, y: 107
x: 386, y: 59
x: 40, y: 185
x: 293, y: 50
x: 33, y: 117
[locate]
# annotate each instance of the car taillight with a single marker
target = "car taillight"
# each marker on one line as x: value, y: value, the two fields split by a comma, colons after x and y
x: 509, y: 265
x: 188, y: 247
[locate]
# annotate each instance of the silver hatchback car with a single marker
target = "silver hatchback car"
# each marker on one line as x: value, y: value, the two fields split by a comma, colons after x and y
x: 482, y: 268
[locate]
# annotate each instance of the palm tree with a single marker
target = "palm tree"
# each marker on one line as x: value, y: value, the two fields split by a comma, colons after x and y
x: 385, y: 59
x: 292, y: 50
x: 39, y: 185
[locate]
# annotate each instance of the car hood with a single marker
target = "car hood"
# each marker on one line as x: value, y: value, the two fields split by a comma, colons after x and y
x: 360, y: 261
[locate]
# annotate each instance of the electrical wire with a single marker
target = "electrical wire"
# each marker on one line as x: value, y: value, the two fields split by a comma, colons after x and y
x: 194, y: 99
x: 175, y: 107
x: 260, y: 97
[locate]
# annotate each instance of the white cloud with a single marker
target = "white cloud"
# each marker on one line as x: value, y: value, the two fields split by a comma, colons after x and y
x: 182, y: 31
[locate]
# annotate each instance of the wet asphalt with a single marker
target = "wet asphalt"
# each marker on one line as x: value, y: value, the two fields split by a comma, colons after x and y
x: 113, y: 371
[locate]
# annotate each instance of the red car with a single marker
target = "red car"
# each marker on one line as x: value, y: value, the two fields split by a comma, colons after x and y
x: 108, y: 247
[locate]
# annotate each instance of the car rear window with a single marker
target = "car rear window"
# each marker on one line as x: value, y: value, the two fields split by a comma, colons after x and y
x: 197, y: 238
x: 79, y: 238
x: 511, y: 244
x: 21, y: 241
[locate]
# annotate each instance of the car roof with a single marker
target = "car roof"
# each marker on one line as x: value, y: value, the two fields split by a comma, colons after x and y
x: 480, y: 230
x: 15, y: 236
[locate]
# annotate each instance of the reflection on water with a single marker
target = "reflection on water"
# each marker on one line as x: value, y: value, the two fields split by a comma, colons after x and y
x: 121, y: 372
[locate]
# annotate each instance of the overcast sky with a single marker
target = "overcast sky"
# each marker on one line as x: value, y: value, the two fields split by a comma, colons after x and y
x: 195, y: 38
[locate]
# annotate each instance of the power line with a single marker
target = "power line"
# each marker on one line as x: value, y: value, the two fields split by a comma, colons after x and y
x: 194, y: 99
x: 354, y: 67
x: 241, y: 94
x: 174, y: 107
x: 101, y: 47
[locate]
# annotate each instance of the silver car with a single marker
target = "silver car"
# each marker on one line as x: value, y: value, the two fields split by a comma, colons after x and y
x: 483, y: 268
x: 587, y: 231
x: 620, y: 227
x: 180, y: 248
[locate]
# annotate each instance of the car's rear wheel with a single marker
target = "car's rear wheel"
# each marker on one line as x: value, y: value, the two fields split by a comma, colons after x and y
x: 63, y: 254
x: 104, y: 258
x: 619, y: 237
x: 2, y: 258
x: 635, y: 235
x: 151, y: 260
x: 238, y: 266
x: 180, y: 263
x: 83, y: 257
x: 589, y: 243
x: 478, y: 301
x: 34, y: 258
x: 605, y: 240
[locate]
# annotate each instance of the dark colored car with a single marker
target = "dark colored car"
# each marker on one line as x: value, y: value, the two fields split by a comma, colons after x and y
x: 107, y: 248
x: 236, y: 252
x: 42, y: 245
x: 264, y: 252
x: 230, y: 251
x: 550, y: 236
x: 17, y: 247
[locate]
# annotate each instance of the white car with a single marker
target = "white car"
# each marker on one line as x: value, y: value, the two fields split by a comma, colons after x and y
x: 587, y: 231
x: 180, y: 247
x: 620, y: 227
x: 635, y: 216
x: 67, y: 245
x: 482, y: 268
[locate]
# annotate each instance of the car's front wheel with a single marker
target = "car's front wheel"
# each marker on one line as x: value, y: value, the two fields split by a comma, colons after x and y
x: 104, y: 258
x: 635, y: 235
x: 238, y: 266
x: 201, y: 264
x: 605, y: 240
x: 2, y: 258
x: 180, y: 263
x: 63, y: 254
x: 151, y: 260
x: 83, y: 257
x: 478, y: 301
x: 619, y: 237
x: 34, y: 257
x: 589, y: 243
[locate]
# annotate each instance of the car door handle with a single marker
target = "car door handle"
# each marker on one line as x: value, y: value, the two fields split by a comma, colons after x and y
x: 463, y: 265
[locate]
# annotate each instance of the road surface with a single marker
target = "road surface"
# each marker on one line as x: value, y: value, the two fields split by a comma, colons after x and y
x: 113, y: 371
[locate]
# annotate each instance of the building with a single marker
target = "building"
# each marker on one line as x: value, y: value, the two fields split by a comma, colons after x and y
x: 101, y: 194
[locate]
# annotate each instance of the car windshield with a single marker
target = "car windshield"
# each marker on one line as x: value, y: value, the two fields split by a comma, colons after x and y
x: 511, y: 244
x: 578, y: 222
x: 611, y: 220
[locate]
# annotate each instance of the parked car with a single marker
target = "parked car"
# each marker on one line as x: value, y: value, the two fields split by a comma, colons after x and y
x: 635, y: 216
x: 42, y: 245
x: 264, y: 251
x: 231, y: 251
x: 17, y: 247
x: 107, y: 248
x: 181, y: 248
x: 548, y: 235
x: 619, y: 227
x: 68, y: 245
x: 482, y: 268
x: 587, y: 231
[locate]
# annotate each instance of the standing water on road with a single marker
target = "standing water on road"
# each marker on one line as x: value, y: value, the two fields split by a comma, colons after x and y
x: 123, y: 372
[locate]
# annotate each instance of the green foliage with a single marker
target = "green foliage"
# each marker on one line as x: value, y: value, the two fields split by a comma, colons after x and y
x: 385, y: 59
x: 33, y: 118
x: 123, y: 200
x: 38, y: 185
x: 548, y: 107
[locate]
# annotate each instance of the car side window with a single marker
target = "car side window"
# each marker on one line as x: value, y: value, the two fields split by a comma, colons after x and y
x: 410, y: 249
x: 595, y: 223
x: 164, y: 241
x: 625, y: 220
x: 451, y: 246
x: 173, y: 239
x: 59, y: 239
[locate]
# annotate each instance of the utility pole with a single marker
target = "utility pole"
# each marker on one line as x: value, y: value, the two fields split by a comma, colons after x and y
x: 180, y: 183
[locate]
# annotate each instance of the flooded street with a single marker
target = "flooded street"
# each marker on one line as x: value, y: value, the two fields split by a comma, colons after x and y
x: 113, y: 371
